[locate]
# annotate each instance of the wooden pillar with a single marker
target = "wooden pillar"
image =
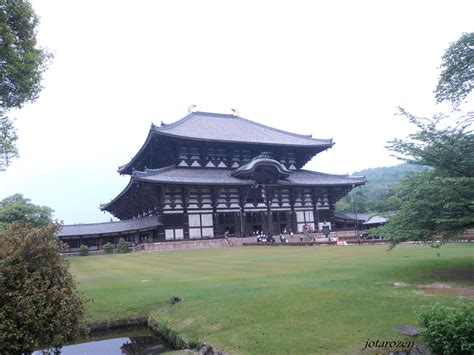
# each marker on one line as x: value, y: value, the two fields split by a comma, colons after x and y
x: 161, y: 206
x: 243, y: 195
x: 315, y: 197
x: 269, y: 193
x: 293, y: 224
x: 185, y: 191
x: 214, y: 201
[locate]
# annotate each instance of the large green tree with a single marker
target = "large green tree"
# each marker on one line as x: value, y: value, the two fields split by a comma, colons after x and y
x: 22, y: 63
x: 437, y: 203
x: 457, y: 76
x: 17, y: 208
x: 39, y: 303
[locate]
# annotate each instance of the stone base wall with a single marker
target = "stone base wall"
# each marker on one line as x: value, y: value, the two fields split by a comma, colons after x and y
x: 189, y: 244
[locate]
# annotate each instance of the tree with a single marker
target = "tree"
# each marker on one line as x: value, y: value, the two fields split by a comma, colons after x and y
x: 17, y: 208
x: 39, y: 303
x: 437, y: 203
x: 122, y: 246
x: 8, y: 138
x: 457, y: 77
x: 108, y: 248
x: 83, y: 250
x: 346, y: 204
x: 22, y: 64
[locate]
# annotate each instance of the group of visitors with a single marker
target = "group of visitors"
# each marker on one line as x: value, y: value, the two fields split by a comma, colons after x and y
x: 265, y: 238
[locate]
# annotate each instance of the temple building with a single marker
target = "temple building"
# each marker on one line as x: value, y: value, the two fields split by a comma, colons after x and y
x: 212, y: 175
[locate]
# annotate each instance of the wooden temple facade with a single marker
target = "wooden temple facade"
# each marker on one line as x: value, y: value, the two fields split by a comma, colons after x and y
x: 209, y: 175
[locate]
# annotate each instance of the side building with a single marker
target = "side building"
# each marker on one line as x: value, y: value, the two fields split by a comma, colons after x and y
x: 209, y: 175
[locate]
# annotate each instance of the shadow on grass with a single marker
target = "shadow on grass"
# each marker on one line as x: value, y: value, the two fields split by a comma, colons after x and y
x: 437, y: 270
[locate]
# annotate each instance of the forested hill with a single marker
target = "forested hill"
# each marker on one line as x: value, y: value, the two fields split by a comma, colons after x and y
x: 379, y: 194
x: 380, y: 181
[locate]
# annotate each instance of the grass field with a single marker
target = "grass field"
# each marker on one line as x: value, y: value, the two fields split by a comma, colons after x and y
x: 278, y: 299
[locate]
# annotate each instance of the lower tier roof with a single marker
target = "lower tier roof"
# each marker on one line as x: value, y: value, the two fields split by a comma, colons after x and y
x: 209, y: 176
x: 139, y: 191
x: 118, y: 227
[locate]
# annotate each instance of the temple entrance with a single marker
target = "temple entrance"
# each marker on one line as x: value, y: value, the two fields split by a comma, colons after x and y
x: 254, y: 223
x: 226, y: 224
x: 280, y: 221
x: 259, y: 222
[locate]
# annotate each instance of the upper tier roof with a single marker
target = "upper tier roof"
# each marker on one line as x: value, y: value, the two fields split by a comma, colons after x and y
x: 220, y: 128
x: 230, y: 128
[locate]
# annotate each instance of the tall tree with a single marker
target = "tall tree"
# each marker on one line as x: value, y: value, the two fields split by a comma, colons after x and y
x: 439, y: 202
x: 22, y: 63
x: 39, y: 303
x: 17, y: 208
x: 457, y: 76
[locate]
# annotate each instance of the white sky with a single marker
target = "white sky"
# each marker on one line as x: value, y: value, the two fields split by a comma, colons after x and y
x: 337, y: 69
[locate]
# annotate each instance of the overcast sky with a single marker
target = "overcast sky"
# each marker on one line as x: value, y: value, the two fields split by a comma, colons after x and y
x: 336, y: 69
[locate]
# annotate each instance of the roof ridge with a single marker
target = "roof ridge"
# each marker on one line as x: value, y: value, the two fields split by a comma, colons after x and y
x: 310, y: 136
x: 110, y: 222
x: 164, y: 127
x: 338, y: 175
x: 148, y: 172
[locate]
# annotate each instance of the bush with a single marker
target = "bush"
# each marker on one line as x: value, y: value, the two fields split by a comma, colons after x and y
x: 122, y: 246
x: 39, y: 303
x: 83, y: 250
x: 108, y: 248
x: 448, y: 330
x: 194, y: 344
x: 164, y: 330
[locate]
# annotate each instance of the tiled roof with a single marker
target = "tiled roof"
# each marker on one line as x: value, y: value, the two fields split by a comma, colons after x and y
x: 129, y: 225
x: 361, y: 217
x: 376, y: 220
x: 230, y: 128
x: 208, y: 176
x: 203, y: 176
x: 307, y: 177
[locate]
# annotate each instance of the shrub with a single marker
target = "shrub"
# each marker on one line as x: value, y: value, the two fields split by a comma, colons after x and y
x: 108, y: 248
x: 194, y: 344
x: 39, y: 303
x: 164, y: 330
x: 122, y: 246
x: 174, y: 338
x: 83, y: 250
x: 448, y: 330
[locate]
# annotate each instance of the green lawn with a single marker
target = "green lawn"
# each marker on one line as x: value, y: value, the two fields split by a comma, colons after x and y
x: 276, y: 299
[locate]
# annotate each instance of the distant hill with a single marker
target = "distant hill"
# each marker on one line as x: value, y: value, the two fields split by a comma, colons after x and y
x: 379, y: 194
x: 380, y: 181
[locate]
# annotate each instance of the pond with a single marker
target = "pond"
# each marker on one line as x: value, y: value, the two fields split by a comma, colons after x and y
x: 127, y: 341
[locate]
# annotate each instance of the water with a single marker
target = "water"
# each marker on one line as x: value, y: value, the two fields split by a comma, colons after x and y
x: 128, y: 341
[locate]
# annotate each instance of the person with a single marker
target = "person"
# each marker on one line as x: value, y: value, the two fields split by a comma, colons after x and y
x: 306, y: 231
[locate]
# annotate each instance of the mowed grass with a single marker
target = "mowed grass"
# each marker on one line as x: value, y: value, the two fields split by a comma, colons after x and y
x: 276, y: 299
